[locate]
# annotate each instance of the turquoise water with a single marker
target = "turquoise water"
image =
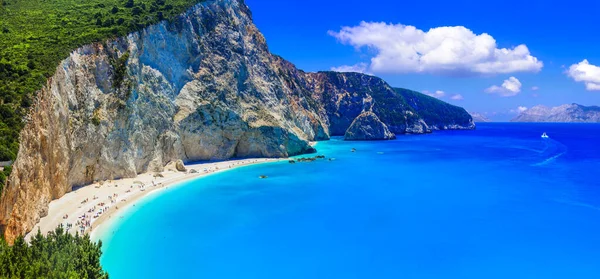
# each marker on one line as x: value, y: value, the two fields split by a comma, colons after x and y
x: 498, y: 202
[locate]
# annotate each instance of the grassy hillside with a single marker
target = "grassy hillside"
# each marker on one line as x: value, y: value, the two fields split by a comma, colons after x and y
x: 35, y: 35
x: 434, y: 111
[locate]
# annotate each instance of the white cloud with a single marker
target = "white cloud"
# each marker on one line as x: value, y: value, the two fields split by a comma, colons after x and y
x: 586, y: 73
x: 535, y: 88
x: 357, y: 68
x: 453, y: 50
x: 518, y: 110
x: 437, y: 94
x: 510, y: 87
x: 592, y: 86
x: 457, y: 97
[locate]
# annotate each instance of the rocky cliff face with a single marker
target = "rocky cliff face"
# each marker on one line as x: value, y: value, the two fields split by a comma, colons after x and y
x: 564, y: 113
x: 368, y: 126
x: 436, y: 114
x: 343, y: 96
x: 203, y: 87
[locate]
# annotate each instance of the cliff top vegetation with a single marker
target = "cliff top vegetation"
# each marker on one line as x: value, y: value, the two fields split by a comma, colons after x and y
x: 35, y: 35
x: 433, y: 110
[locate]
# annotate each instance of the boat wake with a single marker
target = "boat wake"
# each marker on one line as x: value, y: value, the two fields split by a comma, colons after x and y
x: 548, y: 161
x: 578, y: 204
x: 552, y: 151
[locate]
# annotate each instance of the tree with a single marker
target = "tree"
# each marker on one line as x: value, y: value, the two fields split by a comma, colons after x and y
x: 136, y: 11
x: 56, y: 255
x: 129, y: 4
x: 114, y: 10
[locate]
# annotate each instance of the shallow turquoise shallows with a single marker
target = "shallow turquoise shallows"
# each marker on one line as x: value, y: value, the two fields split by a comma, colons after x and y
x: 498, y: 202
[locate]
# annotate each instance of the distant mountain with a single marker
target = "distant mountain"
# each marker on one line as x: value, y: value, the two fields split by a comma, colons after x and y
x: 478, y: 117
x: 564, y: 113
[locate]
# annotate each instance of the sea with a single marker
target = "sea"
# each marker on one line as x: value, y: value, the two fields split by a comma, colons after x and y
x: 496, y: 202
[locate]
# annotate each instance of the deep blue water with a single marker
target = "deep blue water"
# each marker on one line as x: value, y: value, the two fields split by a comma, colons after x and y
x: 498, y: 202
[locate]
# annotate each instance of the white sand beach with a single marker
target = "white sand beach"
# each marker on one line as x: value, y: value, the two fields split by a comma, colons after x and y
x: 84, y: 210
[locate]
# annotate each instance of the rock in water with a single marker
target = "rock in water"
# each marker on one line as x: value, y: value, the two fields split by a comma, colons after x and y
x: 367, y: 126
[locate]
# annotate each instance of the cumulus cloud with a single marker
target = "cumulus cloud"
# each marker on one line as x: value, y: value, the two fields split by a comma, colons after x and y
x: 510, y: 87
x: 357, y: 68
x: 586, y: 73
x: 518, y: 110
x: 453, y: 50
x: 535, y: 88
x: 437, y: 94
x: 457, y: 97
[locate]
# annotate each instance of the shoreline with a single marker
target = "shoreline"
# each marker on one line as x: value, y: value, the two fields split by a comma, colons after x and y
x: 90, y: 208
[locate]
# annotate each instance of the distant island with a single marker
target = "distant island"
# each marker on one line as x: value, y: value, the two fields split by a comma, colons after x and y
x: 565, y: 113
x: 479, y: 118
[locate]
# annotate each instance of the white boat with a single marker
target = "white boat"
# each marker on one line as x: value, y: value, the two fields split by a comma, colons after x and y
x: 544, y: 136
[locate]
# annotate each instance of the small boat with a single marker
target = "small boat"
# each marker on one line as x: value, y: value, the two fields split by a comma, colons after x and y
x: 544, y: 136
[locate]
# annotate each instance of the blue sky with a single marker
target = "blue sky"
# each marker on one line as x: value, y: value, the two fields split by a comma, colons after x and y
x: 558, y: 36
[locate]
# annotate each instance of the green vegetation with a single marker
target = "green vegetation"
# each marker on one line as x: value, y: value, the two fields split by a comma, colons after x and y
x: 57, y: 255
x: 120, y: 66
x: 35, y: 35
x: 4, y: 175
x: 434, y: 111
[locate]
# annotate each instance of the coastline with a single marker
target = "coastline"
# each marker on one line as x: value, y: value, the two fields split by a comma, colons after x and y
x: 108, y: 200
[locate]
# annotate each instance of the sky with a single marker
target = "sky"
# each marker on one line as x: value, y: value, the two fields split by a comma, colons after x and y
x: 492, y: 57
